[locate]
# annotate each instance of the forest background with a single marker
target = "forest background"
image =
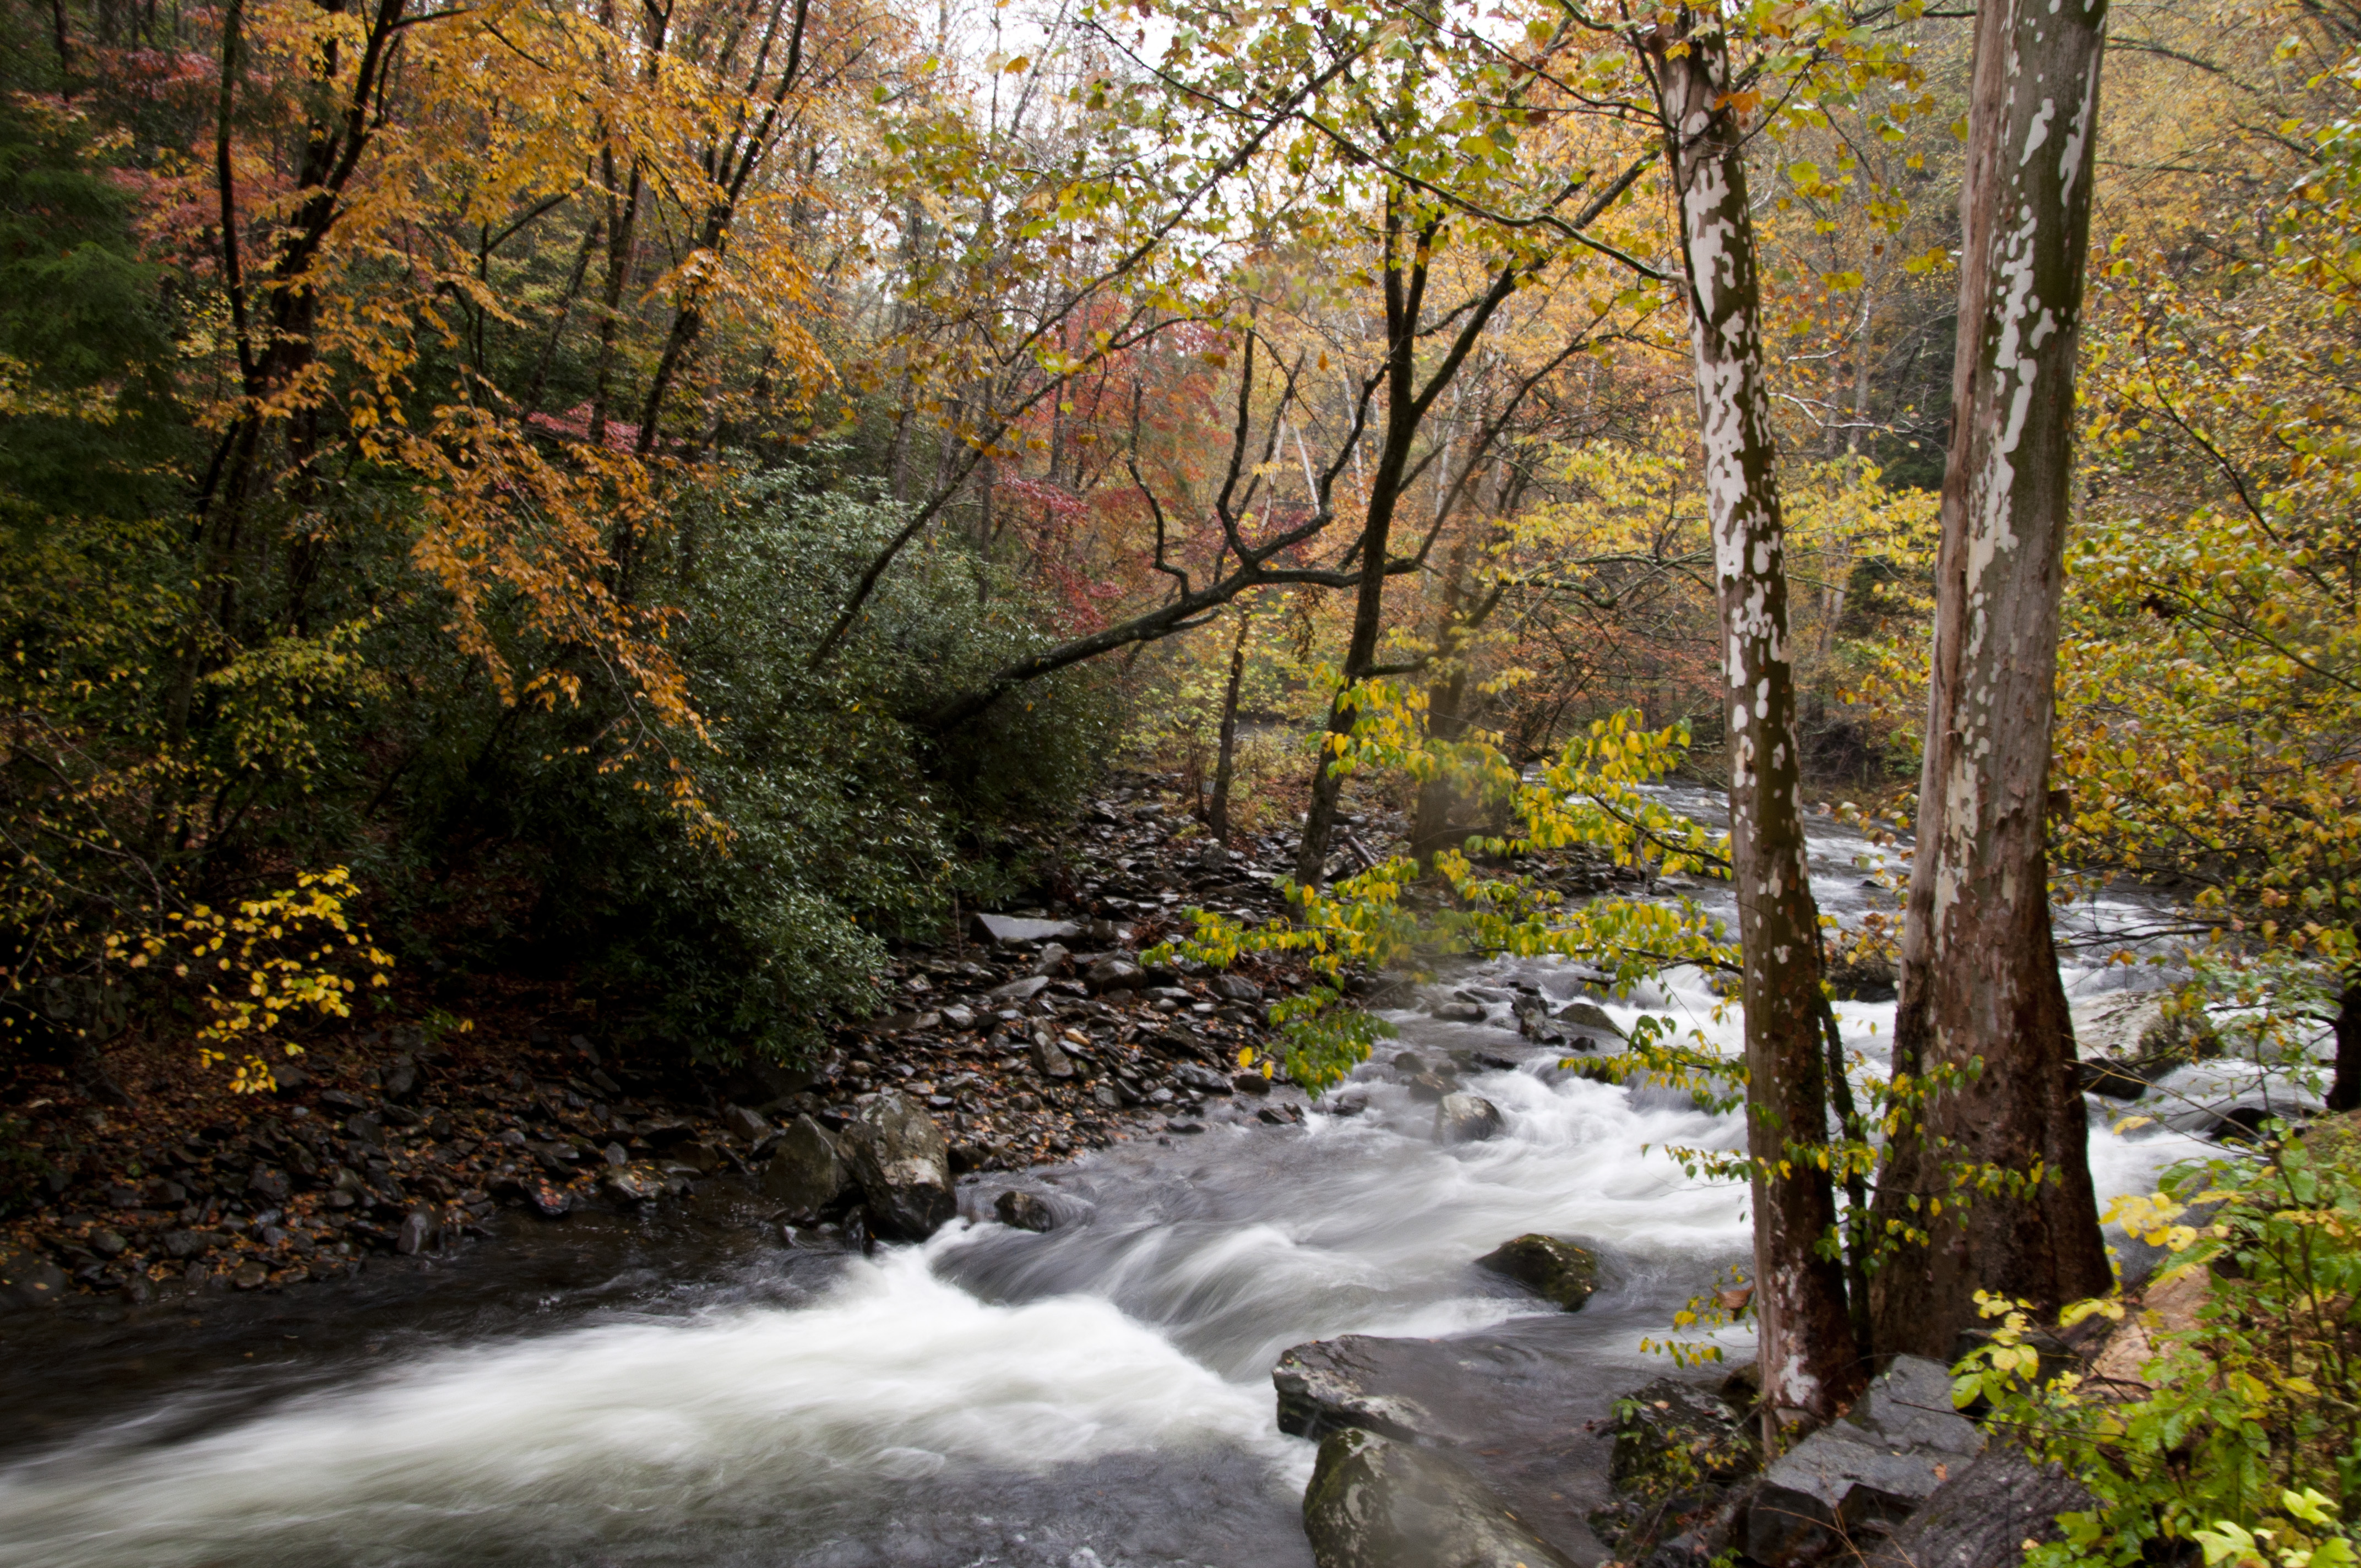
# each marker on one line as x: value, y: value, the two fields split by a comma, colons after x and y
x: 658, y: 503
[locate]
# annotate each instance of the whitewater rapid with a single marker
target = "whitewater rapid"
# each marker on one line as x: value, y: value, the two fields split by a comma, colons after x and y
x: 1097, y: 1397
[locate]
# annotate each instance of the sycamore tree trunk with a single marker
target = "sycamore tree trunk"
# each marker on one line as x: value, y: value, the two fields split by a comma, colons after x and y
x: 1811, y: 1362
x: 1980, y: 993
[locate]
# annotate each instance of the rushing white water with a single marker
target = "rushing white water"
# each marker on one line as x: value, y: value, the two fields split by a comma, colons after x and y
x: 1093, y: 1398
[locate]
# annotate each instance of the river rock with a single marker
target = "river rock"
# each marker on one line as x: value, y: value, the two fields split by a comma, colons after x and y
x: 1024, y: 990
x: 627, y: 1185
x: 1588, y: 1018
x: 1236, y: 988
x: 1203, y: 1079
x: 1457, y: 1012
x: 1377, y: 1502
x: 748, y: 1126
x: 1250, y: 1083
x: 270, y: 1186
x: 1673, y: 1435
x: 29, y: 1280
x: 1049, y: 1060
x: 1025, y: 1212
x: 1115, y: 974
x: 400, y: 1081
x: 2114, y: 1079
x: 1053, y: 960
x: 420, y: 1230
x: 1330, y: 1384
x: 1864, y: 1473
x: 903, y: 1163
x: 1550, y: 1267
x: 807, y: 1171
x: 1465, y: 1118
x: 1013, y: 931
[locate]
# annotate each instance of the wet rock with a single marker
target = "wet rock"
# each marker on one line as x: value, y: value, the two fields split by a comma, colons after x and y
x: 250, y: 1275
x: 107, y: 1243
x: 420, y: 1230
x: 270, y: 1186
x: 1863, y: 977
x: 629, y: 1186
x: 1330, y: 1384
x: 549, y: 1202
x: 1375, y: 1502
x: 1588, y: 1018
x: 180, y: 1245
x: 1024, y: 990
x: 958, y: 1016
x: 1115, y: 974
x: 2116, y: 1079
x: 1673, y: 1436
x: 1457, y: 1012
x: 1982, y: 1515
x: 903, y: 1164
x: 1466, y: 1119
x: 29, y: 1280
x: 1053, y: 960
x: 1014, y: 931
x: 806, y: 1172
x: 1024, y: 1211
x: 1550, y: 1267
x: 1428, y: 1087
x: 1236, y: 988
x: 1250, y: 1083
x: 1863, y: 1474
x: 1049, y: 1061
x: 1203, y: 1079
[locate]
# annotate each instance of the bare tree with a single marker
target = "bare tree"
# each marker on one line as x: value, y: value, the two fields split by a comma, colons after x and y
x: 1981, y: 1001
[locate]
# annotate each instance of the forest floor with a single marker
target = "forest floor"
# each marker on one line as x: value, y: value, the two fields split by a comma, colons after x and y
x: 1029, y: 1036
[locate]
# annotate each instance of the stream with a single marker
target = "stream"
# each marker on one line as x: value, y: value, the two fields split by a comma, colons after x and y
x: 688, y: 1390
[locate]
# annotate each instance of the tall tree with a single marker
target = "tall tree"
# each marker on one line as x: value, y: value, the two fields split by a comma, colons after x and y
x: 1983, y: 1020
x: 1811, y: 1362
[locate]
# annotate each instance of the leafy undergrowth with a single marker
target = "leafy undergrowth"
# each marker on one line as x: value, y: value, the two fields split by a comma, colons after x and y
x: 2223, y: 1416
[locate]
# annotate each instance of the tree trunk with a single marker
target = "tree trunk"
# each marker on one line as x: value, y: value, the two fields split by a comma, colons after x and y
x: 1446, y: 715
x: 1217, y: 818
x: 1811, y: 1363
x: 1979, y: 977
x: 2345, y: 1093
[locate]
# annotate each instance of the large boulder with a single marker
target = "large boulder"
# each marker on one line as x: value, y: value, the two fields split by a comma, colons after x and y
x: 1864, y: 1473
x: 903, y: 1163
x: 1550, y: 1267
x: 1982, y: 1515
x: 806, y: 1172
x: 1377, y: 1502
x: 1462, y: 1118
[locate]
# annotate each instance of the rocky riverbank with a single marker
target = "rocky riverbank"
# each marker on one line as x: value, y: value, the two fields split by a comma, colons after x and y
x: 1025, y: 1036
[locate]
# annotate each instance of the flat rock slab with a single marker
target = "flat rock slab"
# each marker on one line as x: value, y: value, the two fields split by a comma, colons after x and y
x: 1015, y: 931
x: 1526, y: 1406
x: 1866, y: 1472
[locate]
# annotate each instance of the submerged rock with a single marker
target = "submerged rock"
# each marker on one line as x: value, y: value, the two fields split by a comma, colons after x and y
x: 1550, y: 1267
x: 1375, y: 1502
x: 1025, y: 1212
x: 1462, y: 1118
x: 903, y: 1163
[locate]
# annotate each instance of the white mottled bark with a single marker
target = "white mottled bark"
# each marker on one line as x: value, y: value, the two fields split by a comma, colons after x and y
x: 1810, y: 1362
x: 1979, y: 975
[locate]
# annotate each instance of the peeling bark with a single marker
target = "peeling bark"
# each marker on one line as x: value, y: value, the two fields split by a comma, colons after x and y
x: 1979, y: 976
x: 1811, y: 1362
